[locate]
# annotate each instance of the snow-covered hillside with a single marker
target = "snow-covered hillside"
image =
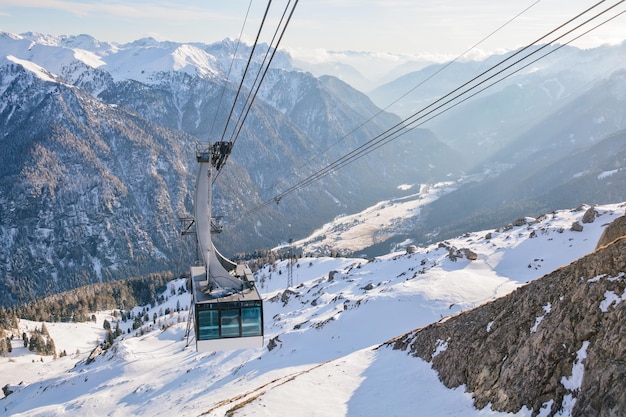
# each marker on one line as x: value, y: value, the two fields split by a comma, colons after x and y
x: 320, y: 357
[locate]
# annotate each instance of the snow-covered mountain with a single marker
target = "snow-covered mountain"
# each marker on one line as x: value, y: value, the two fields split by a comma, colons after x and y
x: 562, y: 72
x: 325, y: 351
x: 97, y: 161
x: 79, y: 116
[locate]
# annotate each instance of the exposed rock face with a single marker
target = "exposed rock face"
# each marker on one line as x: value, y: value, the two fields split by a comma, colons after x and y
x: 9, y: 389
x: 97, y: 351
x: 523, y: 349
x: 616, y: 229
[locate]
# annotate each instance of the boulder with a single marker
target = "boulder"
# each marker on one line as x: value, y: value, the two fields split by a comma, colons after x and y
x: 470, y: 254
x: 576, y: 227
x: 590, y: 215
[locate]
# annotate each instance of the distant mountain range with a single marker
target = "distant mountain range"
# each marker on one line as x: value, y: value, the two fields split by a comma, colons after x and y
x: 98, y: 152
x: 549, y: 137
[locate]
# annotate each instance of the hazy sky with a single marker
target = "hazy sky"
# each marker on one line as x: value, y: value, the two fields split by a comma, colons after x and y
x: 395, y: 26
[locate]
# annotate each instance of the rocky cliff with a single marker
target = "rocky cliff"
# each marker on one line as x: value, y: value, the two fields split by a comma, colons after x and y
x: 558, y: 340
x: 613, y: 231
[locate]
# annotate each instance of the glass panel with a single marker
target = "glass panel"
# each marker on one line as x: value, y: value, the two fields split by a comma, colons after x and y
x: 230, y: 323
x: 251, y: 321
x: 208, y: 325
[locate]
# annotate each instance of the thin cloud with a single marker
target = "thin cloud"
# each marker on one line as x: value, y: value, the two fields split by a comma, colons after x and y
x: 173, y: 11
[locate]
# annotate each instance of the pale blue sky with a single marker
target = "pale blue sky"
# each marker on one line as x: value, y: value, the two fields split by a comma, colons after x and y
x: 396, y: 26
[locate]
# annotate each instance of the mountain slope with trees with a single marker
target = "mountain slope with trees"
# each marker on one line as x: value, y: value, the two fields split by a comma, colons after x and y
x: 98, y: 154
x: 98, y: 166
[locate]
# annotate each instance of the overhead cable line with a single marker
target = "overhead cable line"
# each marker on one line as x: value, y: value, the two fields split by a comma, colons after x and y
x: 518, y: 69
x: 264, y: 69
x: 404, y: 128
x: 401, y: 128
x: 245, y: 71
x: 424, y: 81
x: 230, y: 68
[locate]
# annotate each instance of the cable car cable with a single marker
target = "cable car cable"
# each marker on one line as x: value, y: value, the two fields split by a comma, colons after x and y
x: 245, y: 71
x: 258, y: 86
x: 230, y: 68
x: 358, y: 152
x: 419, y: 84
x: 250, y: 98
x: 337, y: 163
x: 375, y: 143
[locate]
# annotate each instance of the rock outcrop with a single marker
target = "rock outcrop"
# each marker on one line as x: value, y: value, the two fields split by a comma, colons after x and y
x: 613, y: 231
x: 559, y: 340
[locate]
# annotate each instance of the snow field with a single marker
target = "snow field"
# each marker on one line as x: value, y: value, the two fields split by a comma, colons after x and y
x: 325, y: 359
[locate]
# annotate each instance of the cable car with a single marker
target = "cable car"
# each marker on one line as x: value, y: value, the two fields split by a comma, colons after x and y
x: 227, y: 309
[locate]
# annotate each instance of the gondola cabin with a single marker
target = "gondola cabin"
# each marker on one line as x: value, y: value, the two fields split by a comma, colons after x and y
x: 227, y: 320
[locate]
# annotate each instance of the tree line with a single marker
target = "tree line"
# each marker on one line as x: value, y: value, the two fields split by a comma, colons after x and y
x: 77, y: 305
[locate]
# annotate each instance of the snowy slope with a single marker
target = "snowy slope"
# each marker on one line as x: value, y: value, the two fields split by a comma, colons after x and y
x: 323, y: 332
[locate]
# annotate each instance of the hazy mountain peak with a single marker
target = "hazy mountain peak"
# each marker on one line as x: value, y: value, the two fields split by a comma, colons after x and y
x: 145, y: 43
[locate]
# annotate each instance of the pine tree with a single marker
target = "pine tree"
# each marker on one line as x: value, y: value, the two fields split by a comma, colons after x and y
x: 36, y: 342
x: 118, y: 331
x: 49, y: 348
x: 109, y: 339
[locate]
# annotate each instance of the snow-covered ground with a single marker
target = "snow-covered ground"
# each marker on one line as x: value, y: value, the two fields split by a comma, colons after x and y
x: 324, y: 331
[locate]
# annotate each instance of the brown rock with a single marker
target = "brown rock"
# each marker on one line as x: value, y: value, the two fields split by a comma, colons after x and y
x: 590, y: 215
x: 613, y: 231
